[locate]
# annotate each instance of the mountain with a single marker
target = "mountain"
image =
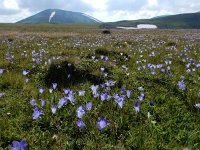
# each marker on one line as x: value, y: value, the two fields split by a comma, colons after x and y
x: 159, y: 16
x: 180, y: 21
x: 59, y: 16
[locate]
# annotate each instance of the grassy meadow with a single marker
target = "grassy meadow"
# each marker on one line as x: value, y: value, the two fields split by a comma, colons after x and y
x: 66, y: 87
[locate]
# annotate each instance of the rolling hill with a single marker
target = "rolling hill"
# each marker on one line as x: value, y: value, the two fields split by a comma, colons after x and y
x: 59, y: 16
x: 180, y: 21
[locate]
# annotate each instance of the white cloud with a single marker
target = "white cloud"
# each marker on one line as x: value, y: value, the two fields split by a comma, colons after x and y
x: 152, y: 2
x: 11, y: 4
x: 98, y: 5
x: 15, y: 17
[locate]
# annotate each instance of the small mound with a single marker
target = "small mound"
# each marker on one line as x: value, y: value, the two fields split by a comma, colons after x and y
x: 67, y: 74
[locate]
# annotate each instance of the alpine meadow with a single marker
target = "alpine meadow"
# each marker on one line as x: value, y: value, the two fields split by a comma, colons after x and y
x: 81, y: 87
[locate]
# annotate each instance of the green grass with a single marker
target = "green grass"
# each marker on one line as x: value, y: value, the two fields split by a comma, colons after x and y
x: 174, y: 121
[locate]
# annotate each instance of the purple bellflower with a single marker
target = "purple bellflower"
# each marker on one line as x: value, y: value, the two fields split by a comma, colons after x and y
x: 71, y: 97
x: 33, y: 102
x: 42, y: 102
x: 137, y: 107
x: 1, y: 71
x: 110, y: 83
x: 181, y: 85
x: 88, y: 106
x: 80, y: 111
x: 62, y: 101
x: 24, y: 72
x: 41, y: 90
x: 198, y: 106
x: 37, y: 113
x: 120, y: 100
x: 128, y: 93
x: 80, y: 124
x: 16, y: 145
x: 53, y: 109
x: 81, y: 93
x: 94, y: 89
x: 54, y: 85
x: 105, y: 96
x: 102, y: 123
x: 66, y: 91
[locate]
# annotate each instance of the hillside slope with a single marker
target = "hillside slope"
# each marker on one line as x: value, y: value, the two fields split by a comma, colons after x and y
x: 180, y: 21
x: 59, y: 16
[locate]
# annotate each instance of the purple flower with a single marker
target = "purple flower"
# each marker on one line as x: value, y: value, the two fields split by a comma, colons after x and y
x: 188, y: 71
x: 106, y: 58
x: 42, y: 102
x: 110, y: 83
x: 41, y: 90
x: 37, y: 113
x: 122, y: 90
x: 53, y: 109
x: 24, y: 72
x: 62, y: 101
x: 152, y: 70
x: 198, y: 106
x: 54, y: 85
x: 19, y: 145
x: 102, y: 123
x: 198, y: 94
x: 170, y: 74
x: 116, y: 96
x: 120, y: 100
x: 80, y: 111
x: 102, y: 69
x: 105, y: 96
x: 81, y: 93
x: 96, y: 95
x: 162, y: 70
x: 181, y: 85
x: 141, y: 98
x: 80, y: 123
x: 66, y: 91
x: 124, y: 67
x: 128, y: 93
x: 71, y: 97
x: 137, y: 107
x: 33, y: 102
x: 88, y: 106
x: 1, y: 70
x: 37, y: 60
x: 94, y: 89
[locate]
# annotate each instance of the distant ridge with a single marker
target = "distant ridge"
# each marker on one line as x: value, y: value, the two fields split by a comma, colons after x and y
x: 180, y: 21
x: 59, y: 16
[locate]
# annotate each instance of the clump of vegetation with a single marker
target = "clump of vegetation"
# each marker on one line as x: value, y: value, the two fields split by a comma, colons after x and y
x: 66, y: 74
x: 106, y: 32
x: 171, y: 43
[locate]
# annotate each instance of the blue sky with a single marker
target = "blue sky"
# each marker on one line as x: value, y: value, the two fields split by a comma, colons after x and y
x: 104, y: 10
